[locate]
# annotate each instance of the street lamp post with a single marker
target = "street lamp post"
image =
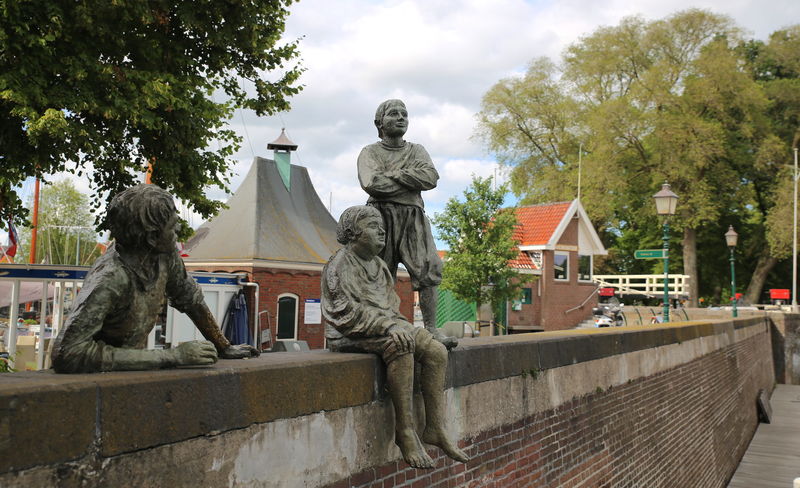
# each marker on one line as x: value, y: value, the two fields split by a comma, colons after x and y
x: 795, y: 309
x: 666, y: 202
x: 731, y: 238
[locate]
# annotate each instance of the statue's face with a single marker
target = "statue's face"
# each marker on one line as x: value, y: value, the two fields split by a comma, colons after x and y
x: 395, y: 121
x: 372, y: 237
x: 169, y: 236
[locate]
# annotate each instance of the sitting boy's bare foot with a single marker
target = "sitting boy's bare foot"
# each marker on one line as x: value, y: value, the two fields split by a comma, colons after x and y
x: 412, y: 449
x: 438, y: 438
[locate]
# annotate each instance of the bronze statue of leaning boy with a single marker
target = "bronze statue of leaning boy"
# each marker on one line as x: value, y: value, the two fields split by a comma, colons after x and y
x: 126, y: 289
x: 362, y: 310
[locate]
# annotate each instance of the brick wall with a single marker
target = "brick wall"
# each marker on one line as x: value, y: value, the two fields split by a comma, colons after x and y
x: 786, y: 347
x: 530, y: 313
x: 303, y: 284
x: 681, y: 427
x: 659, y: 406
x: 784, y: 330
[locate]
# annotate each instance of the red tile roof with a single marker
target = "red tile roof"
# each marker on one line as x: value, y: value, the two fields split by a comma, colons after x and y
x: 538, y: 222
x: 535, y: 226
x: 522, y: 261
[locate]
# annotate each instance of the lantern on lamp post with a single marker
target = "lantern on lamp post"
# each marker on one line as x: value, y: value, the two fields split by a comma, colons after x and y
x: 666, y: 203
x: 731, y: 238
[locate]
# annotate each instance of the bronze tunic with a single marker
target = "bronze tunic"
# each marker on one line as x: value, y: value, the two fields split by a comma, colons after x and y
x: 118, y: 307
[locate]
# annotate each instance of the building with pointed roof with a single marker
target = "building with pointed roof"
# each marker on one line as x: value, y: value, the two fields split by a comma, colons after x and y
x: 557, y: 244
x: 268, y: 223
x: 276, y: 230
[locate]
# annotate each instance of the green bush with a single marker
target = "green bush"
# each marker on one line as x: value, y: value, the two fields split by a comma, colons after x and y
x: 5, y: 365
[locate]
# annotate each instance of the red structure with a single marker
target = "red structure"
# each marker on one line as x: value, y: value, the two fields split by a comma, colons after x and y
x: 607, y: 292
x: 557, y: 248
x: 278, y: 232
x: 778, y: 296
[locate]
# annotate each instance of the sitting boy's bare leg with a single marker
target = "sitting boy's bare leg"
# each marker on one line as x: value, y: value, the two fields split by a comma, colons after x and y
x: 434, y: 367
x: 400, y: 377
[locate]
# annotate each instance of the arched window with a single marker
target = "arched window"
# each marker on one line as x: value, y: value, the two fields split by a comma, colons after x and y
x: 287, y: 316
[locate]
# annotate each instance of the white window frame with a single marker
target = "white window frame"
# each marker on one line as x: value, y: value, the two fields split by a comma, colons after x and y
x: 566, y: 270
x: 296, y: 315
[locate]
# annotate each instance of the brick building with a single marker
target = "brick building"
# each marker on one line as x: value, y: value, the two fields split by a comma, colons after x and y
x: 278, y: 232
x: 557, y: 246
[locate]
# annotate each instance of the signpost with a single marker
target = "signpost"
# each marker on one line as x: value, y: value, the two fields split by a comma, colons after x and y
x: 650, y: 254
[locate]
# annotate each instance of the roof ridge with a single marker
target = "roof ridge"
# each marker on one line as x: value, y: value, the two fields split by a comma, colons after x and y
x: 544, y: 204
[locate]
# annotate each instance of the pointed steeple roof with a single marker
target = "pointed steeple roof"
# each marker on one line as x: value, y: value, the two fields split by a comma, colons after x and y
x: 266, y: 222
x: 282, y: 143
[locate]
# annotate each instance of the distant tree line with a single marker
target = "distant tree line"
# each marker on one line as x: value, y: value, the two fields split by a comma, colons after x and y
x: 65, y: 233
x: 687, y: 99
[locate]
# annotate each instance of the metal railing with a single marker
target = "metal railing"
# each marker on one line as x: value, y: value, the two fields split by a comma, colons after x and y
x: 584, y: 302
x: 50, y: 290
x: 58, y: 285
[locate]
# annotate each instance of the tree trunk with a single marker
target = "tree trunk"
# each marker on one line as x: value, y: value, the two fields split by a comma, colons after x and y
x: 690, y: 264
x: 763, y: 267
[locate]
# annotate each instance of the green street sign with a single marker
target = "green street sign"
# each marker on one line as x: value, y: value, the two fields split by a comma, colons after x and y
x: 649, y: 254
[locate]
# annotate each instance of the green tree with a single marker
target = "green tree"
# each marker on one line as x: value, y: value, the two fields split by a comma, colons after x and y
x: 649, y: 101
x: 776, y: 67
x: 480, y: 236
x: 104, y: 88
x: 65, y: 228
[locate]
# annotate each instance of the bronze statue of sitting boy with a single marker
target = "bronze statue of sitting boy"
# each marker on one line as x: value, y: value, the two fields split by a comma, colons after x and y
x: 362, y: 311
x: 126, y: 289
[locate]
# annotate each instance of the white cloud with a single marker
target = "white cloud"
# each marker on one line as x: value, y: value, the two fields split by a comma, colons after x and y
x: 440, y: 56
x: 441, y: 60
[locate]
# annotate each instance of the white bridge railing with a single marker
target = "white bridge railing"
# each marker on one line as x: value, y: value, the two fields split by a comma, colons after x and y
x: 649, y: 285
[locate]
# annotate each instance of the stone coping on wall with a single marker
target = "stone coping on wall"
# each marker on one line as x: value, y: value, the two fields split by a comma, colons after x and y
x: 47, y: 418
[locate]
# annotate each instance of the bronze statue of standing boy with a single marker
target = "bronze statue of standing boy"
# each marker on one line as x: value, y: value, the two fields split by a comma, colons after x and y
x: 394, y: 172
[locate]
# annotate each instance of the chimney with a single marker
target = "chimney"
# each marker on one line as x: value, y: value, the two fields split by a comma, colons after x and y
x: 282, y: 148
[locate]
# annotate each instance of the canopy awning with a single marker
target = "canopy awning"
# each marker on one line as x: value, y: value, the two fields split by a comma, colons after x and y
x: 30, y: 291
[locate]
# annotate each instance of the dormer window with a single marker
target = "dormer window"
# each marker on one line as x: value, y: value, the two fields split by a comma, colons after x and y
x: 536, y: 258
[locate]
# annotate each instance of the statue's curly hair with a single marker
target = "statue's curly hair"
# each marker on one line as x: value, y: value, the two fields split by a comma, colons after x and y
x: 381, y: 111
x: 347, y: 229
x: 137, y: 216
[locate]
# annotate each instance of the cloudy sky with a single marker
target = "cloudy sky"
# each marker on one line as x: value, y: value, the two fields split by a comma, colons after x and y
x: 440, y: 57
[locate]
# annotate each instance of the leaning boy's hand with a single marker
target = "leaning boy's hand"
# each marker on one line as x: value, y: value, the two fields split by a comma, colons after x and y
x: 240, y: 352
x: 194, y: 353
